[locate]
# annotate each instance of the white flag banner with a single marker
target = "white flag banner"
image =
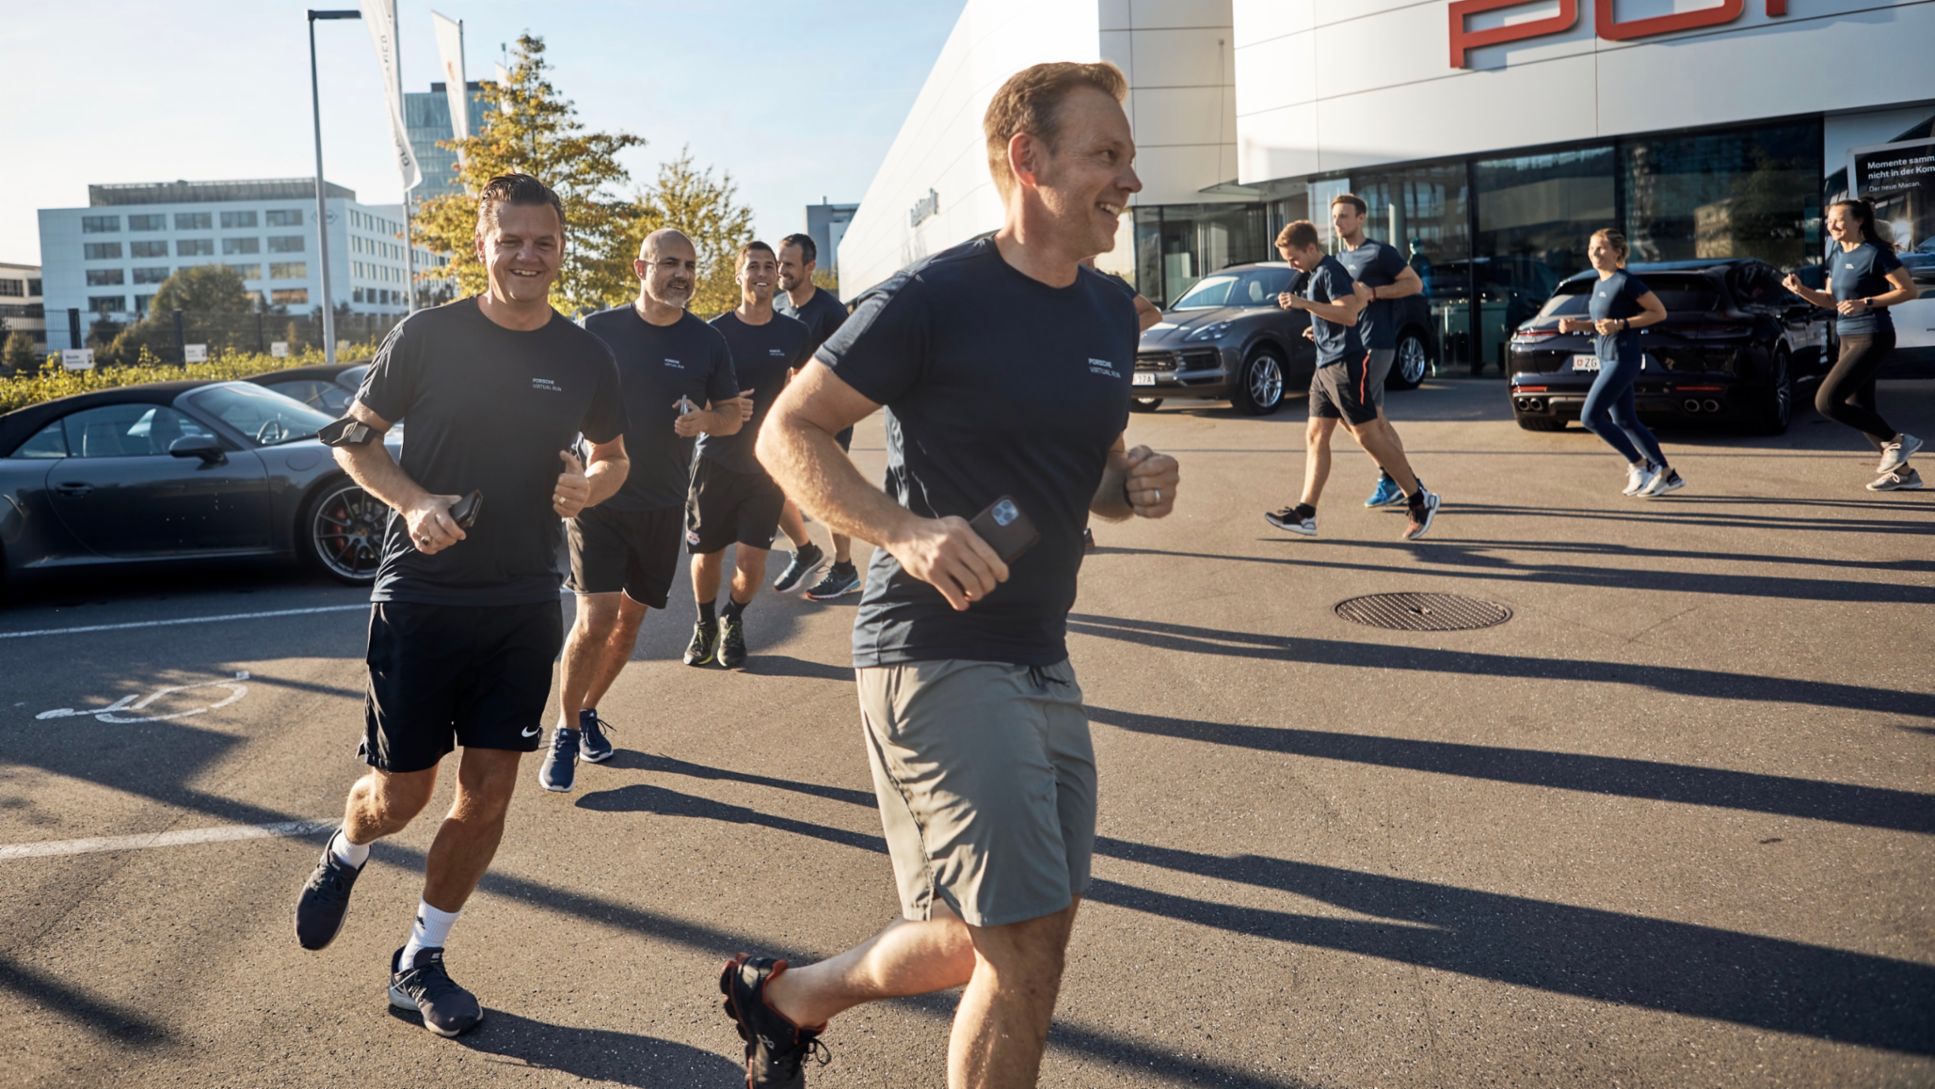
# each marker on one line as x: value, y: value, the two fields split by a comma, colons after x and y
x: 380, y: 17
x: 450, y: 49
x: 504, y: 80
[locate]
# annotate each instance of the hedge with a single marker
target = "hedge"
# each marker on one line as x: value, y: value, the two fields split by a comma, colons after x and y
x: 51, y: 381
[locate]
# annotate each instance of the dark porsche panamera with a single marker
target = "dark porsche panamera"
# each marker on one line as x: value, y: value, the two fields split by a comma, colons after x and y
x: 178, y: 471
x: 1734, y: 345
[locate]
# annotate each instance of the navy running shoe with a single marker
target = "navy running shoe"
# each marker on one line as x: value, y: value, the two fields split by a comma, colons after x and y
x: 560, y: 765
x: 805, y: 561
x: 841, y: 579
x: 324, y: 899
x: 447, y: 1009
x: 593, y: 745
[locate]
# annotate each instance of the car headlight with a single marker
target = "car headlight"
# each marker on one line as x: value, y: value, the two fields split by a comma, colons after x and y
x: 1210, y: 331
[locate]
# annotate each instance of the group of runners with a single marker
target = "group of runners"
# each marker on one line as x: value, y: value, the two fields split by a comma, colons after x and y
x: 647, y: 429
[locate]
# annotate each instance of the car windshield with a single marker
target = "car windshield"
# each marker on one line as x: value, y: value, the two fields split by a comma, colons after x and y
x: 1249, y: 287
x: 263, y: 415
x: 1679, y: 294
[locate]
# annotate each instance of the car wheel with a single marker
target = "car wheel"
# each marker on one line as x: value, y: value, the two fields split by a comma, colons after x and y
x: 1540, y: 423
x: 1259, y: 385
x: 1776, y: 402
x: 1145, y: 404
x: 341, y: 532
x: 1412, y: 363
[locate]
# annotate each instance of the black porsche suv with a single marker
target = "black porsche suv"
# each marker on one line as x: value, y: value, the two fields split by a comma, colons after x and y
x: 1732, y: 347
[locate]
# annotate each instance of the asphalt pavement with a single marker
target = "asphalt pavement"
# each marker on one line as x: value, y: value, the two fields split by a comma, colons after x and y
x: 1668, y: 825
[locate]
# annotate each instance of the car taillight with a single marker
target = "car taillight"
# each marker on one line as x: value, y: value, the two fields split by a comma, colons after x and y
x: 1528, y: 389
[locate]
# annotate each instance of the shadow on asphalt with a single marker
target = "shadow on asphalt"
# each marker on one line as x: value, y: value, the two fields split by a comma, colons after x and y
x: 599, y: 1055
x: 117, y: 1023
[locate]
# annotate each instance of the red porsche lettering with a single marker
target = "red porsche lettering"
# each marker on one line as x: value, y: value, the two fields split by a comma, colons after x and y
x: 1606, y: 23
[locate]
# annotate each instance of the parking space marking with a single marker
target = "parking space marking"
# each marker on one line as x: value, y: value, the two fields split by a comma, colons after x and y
x: 133, y: 705
x: 137, y: 624
x: 188, y: 836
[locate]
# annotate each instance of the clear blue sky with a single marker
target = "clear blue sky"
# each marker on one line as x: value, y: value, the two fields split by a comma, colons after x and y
x: 797, y: 100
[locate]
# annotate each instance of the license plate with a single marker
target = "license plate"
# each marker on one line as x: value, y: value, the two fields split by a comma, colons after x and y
x: 1585, y: 364
x: 1145, y: 378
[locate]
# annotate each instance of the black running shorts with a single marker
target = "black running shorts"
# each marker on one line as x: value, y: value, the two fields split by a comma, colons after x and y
x: 633, y: 551
x: 730, y: 507
x: 441, y: 676
x: 1343, y: 390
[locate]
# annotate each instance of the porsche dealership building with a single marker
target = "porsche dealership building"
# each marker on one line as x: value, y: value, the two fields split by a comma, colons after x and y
x: 1490, y: 137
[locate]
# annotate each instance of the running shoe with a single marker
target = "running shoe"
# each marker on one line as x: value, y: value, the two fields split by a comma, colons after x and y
x: 1895, y: 454
x: 324, y: 899
x: 732, y: 642
x: 1088, y: 539
x: 1904, y: 479
x: 776, y: 1048
x: 841, y: 578
x: 593, y: 745
x: 1666, y: 480
x: 447, y: 1009
x: 1639, y: 478
x: 805, y: 562
x: 560, y: 765
x: 705, y: 637
x: 1386, y: 494
x: 1289, y: 520
x: 1423, y: 513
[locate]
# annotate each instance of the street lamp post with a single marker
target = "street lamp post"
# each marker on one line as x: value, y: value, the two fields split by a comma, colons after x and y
x: 322, y: 210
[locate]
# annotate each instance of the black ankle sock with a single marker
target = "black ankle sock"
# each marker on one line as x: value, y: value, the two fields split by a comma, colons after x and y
x: 733, y: 609
x: 705, y: 613
x: 1304, y: 510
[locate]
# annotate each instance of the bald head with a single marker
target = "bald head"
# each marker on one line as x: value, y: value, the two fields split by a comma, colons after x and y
x: 667, y: 267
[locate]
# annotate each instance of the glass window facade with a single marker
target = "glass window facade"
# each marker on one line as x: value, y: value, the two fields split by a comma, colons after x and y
x: 148, y: 223
x: 1425, y: 213
x: 1186, y: 241
x: 241, y: 245
x: 194, y: 247
x: 150, y: 275
x: 100, y: 224
x: 105, y: 277
x: 151, y: 248
x: 290, y: 296
x: 285, y: 243
x: 289, y: 270
x: 101, y: 251
x: 1534, y: 215
x: 102, y: 304
x: 193, y: 221
x: 1744, y: 193
x: 233, y: 220
x: 284, y: 217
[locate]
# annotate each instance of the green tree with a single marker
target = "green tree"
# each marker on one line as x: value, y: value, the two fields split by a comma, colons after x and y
x: 20, y: 354
x: 708, y: 211
x: 532, y: 129
x: 211, y: 297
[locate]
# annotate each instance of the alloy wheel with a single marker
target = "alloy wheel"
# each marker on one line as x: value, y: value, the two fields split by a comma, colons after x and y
x: 346, y: 533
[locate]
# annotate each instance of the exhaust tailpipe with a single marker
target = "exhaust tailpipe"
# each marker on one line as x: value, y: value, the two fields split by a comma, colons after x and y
x: 1710, y: 405
x: 1691, y: 404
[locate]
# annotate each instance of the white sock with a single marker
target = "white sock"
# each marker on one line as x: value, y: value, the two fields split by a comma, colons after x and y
x: 349, y: 854
x: 430, y: 931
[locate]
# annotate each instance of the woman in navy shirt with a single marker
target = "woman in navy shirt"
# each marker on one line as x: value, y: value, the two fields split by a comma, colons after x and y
x: 1621, y: 305
x: 1867, y: 279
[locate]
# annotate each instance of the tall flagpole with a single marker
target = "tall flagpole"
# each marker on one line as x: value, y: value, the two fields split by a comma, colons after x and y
x: 409, y: 246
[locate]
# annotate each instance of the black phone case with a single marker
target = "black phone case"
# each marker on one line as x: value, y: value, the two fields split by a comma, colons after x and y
x: 464, y: 511
x: 1010, y: 537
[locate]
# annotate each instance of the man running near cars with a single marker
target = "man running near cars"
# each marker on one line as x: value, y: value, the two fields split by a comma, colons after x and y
x: 1382, y: 269
x: 465, y: 619
x: 677, y: 377
x: 1005, y: 368
x: 821, y: 313
x: 732, y: 499
x: 1339, y: 389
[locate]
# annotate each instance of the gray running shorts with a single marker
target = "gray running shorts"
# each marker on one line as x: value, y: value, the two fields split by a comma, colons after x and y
x: 986, y: 781
x: 1381, y: 360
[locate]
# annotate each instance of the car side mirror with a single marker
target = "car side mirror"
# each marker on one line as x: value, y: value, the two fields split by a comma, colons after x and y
x: 206, y: 447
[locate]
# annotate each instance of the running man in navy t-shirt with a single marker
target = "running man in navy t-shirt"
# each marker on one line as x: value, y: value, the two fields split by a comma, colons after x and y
x: 822, y: 314
x: 1340, y: 388
x: 1005, y: 368
x: 677, y: 377
x: 466, y: 621
x: 1382, y: 271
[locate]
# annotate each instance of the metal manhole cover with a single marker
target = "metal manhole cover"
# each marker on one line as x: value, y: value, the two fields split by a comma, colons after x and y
x: 1423, y: 612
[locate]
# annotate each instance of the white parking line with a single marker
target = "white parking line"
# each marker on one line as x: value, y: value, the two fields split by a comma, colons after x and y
x: 359, y: 607
x: 222, y: 834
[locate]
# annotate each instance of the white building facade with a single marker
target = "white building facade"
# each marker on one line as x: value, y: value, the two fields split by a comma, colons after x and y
x: 21, y: 304
x: 1490, y: 137
x: 106, y: 260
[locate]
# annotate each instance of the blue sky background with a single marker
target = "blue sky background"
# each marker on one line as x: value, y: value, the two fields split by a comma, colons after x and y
x: 798, y: 100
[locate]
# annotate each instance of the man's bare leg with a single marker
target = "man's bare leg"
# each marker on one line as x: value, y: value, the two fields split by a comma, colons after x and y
x: 1316, y: 457
x: 471, y: 831
x: 794, y: 526
x: 585, y: 650
x: 1380, y: 443
x: 383, y: 803
x: 907, y: 958
x: 618, y: 648
x: 708, y: 568
x: 749, y: 567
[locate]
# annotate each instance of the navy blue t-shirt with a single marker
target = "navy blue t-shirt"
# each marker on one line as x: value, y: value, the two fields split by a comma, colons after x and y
x: 1617, y: 296
x: 488, y: 409
x: 762, y: 358
x: 657, y: 365
x: 995, y: 385
x: 1331, y: 282
x: 1375, y: 264
x: 1862, y: 273
x: 821, y: 315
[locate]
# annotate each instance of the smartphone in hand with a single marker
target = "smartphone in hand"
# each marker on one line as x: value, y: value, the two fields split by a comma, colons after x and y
x: 1006, y: 528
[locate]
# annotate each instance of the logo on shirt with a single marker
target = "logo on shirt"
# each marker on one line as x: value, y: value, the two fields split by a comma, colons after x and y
x: 547, y: 385
x: 776, y: 352
x: 673, y: 363
x: 1849, y: 266
x: 1103, y: 367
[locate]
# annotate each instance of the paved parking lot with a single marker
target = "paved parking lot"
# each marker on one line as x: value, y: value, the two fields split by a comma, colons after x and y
x: 1670, y: 825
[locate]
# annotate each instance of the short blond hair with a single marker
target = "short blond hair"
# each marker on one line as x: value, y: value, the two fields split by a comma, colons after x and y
x: 1031, y: 102
x: 1298, y: 234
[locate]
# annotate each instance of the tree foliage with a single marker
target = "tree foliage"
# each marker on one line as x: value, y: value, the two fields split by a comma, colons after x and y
x: 708, y: 211
x: 212, y: 298
x: 534, y: 130
x: 21, y: 354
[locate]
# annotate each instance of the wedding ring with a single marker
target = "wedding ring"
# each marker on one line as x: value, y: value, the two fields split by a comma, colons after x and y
x: 1158, y: 495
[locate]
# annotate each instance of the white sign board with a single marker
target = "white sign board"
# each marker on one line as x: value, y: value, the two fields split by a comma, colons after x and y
x: 279, y: 349
x: 194, y: 353
x: 81, y: 359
